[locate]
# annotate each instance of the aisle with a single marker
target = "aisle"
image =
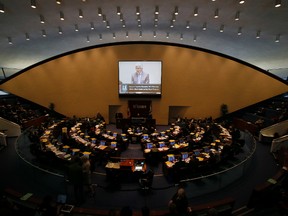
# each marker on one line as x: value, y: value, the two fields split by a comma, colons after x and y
x: 133, y: 151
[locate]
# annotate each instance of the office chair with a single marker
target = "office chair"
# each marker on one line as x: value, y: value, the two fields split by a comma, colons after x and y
x: 146, y: 180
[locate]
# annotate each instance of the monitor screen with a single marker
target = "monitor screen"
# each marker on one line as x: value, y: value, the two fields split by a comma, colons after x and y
x: 197, y: 152
x: 102, y: 142
x: 184, y: 155
x: 171, y: 157
x: 172, y: 142
x: 140, y: 78
x: 113, y: 144
x: 161, y: 144
x: 149, y: 145
x: 145, y: 136
x: 206, y: 149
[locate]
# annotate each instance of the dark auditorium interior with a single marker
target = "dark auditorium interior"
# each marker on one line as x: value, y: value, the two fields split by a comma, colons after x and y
x: 144, y: 108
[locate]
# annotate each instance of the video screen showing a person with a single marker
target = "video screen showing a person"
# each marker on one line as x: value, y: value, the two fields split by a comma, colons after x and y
x: 140, y: 77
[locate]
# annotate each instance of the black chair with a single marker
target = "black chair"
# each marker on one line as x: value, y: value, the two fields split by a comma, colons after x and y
x: 146, y: 180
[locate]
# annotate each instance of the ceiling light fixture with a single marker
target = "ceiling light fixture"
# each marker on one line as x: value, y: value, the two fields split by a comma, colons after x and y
x: 216, y: 14
x: 137, y: 11
x: 138, y: 18
x: 104, y: 18
x: 42, y: 20
x: 277, y: 3
x: 155, y: 24
x: 80, y: 13
x: 239, y: 31
x: 171, y: 24
x: 44, y: 33
x: 195, y: 38
x: 258, y: 34
x: 10, y: 40
x: 174, y: 18
x: 204, y: 27
x: 154, y: 34
x: 222, y: 28
x: 167, y: 35
x: 176, y: 11
x: 33, y: 4
x: 127, y: 34
x: 196, y: 11
x: 123, y: 24
x: 60, y: 30
x: 237, y: 15
x: 277, y: 40
x: 2, y: 10
x: 99, y: 12
x: 140, y: 34
x: 139, y: 24
x: 114, y: 36
x: 156, y: 17
x: 181, y: 37
x: 118, y: 11
x: 92, y: 27
x: 188, y: 25
x: 121, y: 17
x: 241, y: 2
x: 58, y: 2
x: 27, y: 36
x: 156, y: 10
x: 100, y: 36
x: 107, y: 25
x: 76, y: 28
x: 87, y: 39
x: 61, y: 15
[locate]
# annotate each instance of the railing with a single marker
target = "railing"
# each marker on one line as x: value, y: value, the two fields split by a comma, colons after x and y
x: 220, y: 179
x: 230, y: 174
x: 268, y: 133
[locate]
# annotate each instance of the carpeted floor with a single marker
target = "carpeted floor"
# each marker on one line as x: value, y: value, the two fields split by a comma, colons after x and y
x: 237, y: 183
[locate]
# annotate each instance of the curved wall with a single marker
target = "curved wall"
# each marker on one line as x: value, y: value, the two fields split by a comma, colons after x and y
x: 194, y: 83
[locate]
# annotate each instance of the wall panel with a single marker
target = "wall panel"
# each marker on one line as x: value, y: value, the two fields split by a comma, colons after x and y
x: 86, y: 82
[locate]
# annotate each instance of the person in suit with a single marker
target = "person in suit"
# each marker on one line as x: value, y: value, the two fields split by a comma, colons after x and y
x: 178, y: 205
x: 140, y: 77
x: 75, y: 177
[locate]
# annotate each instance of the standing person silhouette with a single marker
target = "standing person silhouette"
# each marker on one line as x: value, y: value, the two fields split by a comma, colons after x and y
x: 178, y: 205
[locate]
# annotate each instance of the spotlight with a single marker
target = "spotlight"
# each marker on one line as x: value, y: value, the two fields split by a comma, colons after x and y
x: 80, y: 13
x: 239, y: 31
x: 99, y: 12
x: 137, y: 11
x: 118, y: 11
x: 237, y: 16
x: 156, y: 10
x: 216, y: 15
x: 33, y: 3
x: 61, y: 15
x: 277, y: 3
x: 258, y: 34
x: 42, y: 20
x: 277, y: 40
x: 10, y: 40
x: 44, y: 33
x: 2, y: 10
x: 196, y: 11
x: 222, y: 28
x: 176, y: 11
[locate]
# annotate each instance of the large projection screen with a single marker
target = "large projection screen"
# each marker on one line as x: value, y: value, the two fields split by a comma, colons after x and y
x: 138, y: 78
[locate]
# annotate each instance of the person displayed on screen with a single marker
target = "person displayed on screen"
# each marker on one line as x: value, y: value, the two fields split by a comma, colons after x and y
x: 140, y: 77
